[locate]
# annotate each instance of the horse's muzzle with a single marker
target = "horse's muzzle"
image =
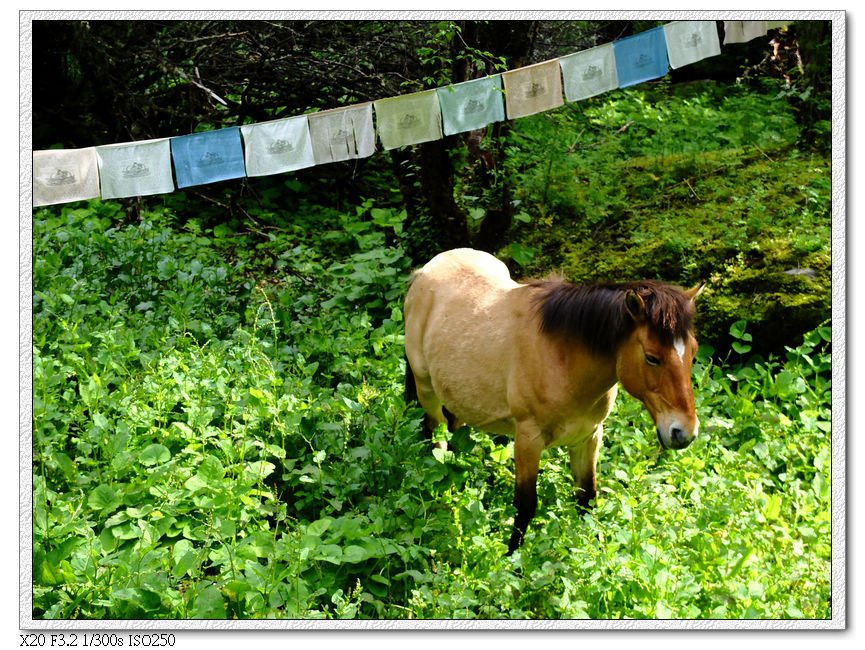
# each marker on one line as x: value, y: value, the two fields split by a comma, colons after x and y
x: 676, y: 437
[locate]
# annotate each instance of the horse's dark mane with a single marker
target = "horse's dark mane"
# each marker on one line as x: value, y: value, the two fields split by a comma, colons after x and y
x: 595, y: 314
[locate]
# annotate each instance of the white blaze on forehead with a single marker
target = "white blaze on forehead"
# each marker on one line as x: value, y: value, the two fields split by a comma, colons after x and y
x: 679, y: 344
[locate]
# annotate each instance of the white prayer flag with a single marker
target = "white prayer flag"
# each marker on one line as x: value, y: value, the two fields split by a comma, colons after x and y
x: 342, y: 133
x: 689, y: 41
x: 589, y: 73
x: 65, y: 175
x: 135, y: 168
x: 742, y: 31
x: 278, y: 146
x: 533, y: 89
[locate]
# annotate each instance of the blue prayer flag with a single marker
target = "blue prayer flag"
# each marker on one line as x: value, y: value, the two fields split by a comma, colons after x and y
x: 641, y: 57
x: 208, y: 157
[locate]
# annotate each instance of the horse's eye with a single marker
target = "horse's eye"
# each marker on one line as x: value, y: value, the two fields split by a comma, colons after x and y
x: 653, y: 360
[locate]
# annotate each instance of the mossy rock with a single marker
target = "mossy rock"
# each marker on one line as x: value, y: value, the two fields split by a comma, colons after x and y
x: 757, y: 232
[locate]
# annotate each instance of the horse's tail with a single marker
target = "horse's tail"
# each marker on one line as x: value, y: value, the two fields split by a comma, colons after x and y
x: 410, y: 394
x: 411, y: 279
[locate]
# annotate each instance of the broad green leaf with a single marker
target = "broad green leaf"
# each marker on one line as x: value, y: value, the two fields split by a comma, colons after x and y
x: 212, y: 471
x: 354, y: 554
x: 103, y: 499
x: 181, y: 548
x: 209, y: 604
x: 258, y: 470
x: 184, y: 557
x: 184, y: 429
x: 100, y: 421
x: 443, y: 455
x: 318, y: 527
x: 154, y: 454
x: 502, y: 454
x: 329, y: 553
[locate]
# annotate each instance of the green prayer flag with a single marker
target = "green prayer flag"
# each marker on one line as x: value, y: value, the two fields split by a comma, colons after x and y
x: 408, y: 119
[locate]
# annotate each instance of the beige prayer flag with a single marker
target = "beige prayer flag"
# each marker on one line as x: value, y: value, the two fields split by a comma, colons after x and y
x: 742, y: 31
x: 65, y: 175
x: 408, y: 119
x: 342, y: 133
x: 533, y: 89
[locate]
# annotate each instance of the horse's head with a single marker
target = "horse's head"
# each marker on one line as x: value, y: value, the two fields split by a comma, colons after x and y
x: 654, y: 361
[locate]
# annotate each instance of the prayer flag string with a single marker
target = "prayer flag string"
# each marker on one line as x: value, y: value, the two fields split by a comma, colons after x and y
x: 350, y: 132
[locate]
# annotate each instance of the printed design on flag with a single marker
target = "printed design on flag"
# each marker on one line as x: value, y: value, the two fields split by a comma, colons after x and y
x: 534, y: 89
x: 473, y: 107
x: 210, y: 158
x: 592, y: 72
x: 61, y: 177
x: 136, y: 169
x: 644, y: 60
x: 409, y: 121
x: 278, y: 146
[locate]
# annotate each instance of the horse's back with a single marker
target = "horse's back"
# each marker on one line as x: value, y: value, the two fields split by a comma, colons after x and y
x: 456, y: 285
x: 459, y: 319
x: 467, y: 268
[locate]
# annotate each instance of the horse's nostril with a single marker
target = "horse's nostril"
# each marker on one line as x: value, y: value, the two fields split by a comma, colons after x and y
x: 679, y: 439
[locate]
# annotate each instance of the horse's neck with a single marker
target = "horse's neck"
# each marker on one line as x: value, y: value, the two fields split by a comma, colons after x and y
x: 587, y: 373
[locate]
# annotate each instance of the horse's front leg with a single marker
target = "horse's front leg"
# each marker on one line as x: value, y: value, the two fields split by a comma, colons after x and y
x: 528, y: 445
x: 584, y: 460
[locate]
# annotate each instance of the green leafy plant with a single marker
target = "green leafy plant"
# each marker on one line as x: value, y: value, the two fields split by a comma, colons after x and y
x: 220, y: 431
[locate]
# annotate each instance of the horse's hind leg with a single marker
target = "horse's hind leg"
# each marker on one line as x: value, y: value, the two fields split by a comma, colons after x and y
x: 432, y: 406
x: 453, y: 422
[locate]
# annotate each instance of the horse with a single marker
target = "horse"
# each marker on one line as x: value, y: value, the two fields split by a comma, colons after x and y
x: 542, y: 361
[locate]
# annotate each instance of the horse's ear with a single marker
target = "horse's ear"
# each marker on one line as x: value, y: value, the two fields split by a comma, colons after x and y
x: 635, y: 306
x: 691, y: 294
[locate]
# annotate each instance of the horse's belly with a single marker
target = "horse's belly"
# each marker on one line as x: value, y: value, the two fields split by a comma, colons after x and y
x: 474, y: 394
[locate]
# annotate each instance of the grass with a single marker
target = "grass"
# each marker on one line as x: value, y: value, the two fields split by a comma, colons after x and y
x: 220, y: 432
